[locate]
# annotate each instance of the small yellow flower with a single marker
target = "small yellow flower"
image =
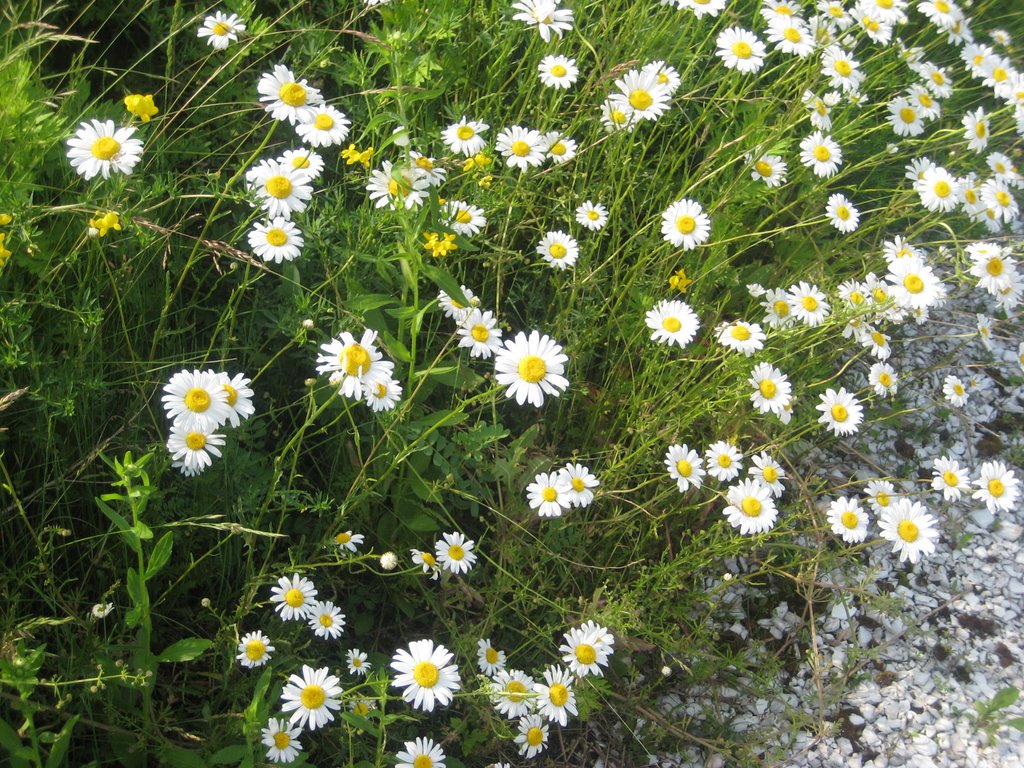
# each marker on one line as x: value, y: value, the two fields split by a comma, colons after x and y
x: 5, y: 219
x: 679, y: 281
x: 105, y: 223
x: 4, y: 253
x: 486, y: 182
x: 141, y: 106
x: 479, y: 160
x: 439, y: 245
x: 352, y: 155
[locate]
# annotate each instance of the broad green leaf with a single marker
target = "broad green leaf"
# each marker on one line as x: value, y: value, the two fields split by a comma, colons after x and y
x: 160, y: 555
x: 1003, y: 699
x: 184, y: 650
x: 61, y: 743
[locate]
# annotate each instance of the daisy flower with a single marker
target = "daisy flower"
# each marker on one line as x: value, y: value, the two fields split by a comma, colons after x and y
x: 742, y: 337
x: 911, y: 529
x: 751, y: 507
x: 666, y: 75
x: 791, y: 36
x: 286, y: 98
x: 740, y: 49
x: 776, y: 307
x: 425, y: 675
x: 879, y: 495
x: 305, y: 160
x: 545, y: 15
x: 841, y: 413
x: 521, y: 147
x: 944, y: 14
x: 326, y: 620
x: 884, y: 379
x: 955, y: 392
x: 914, y: 284
x: 397, y: 186
x: 586, y: 649
x: 281, y: 189
x: 771, y: 169
x: 617, y: 116
x: 939, y: 190
x: 98, y: 148
x: 428, y: 561
x: 479, y: 334
x: 580, y: 481
x: 992, y: 265
x: 558, y: 71
x: 467, y: 220
x: 673, y: 322
x: 997, y: 487
x: 276, y: 240
x: 772, y: 390
x: 768, y: 472
x: 196, y: 401
x: 560, y: 149
x: 848, y: 520
x: 702, y: 8
x: 346, y: 540
x: 533, y: 735
x: 455, y: 553
x: 820, y: 108
x: 294, y: 597
x: 312, y: 696
x: 353, y: 364
x: 532, y: 367
x: 842, y: 214
x: 557, y: 699
x: 929, y: 107
x: 807, y: 303
x: 593, y: 216
x: 949, y: 477
x: 904, y: 118
x: 685, y: 466
x: 841, y: 69
x: 191, y: 449
x: 456, y: 310
x: 511, y: 693
x: 641, y: 94
x: 421, y: 753
x: 220, y: 30
x: 324, y: 126
x: 549, y: 494
x: 490, y: 660
x: 723, y: 461
x: 997, y: 198
x: 382, y: 394
x: 464, y: 137
x: 281, y: 741
x: 684, y: 224
x: 821, y: 154
x: 558, y: 249
x: 976, y: 130
x: 357, y: 663
x: 254, y: 649
x: 427, y: 168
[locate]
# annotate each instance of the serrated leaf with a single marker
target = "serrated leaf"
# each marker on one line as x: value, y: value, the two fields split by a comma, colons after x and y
x: 184, y: 650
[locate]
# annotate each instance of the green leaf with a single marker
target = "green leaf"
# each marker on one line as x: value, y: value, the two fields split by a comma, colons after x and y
x: 360, y: 722
x: 366, y: 302
x: 139, y: 597
x: 11, y: 742
x: 253, y: 718
x: 184, y: 650
x: 142, y: 530
x: 443, y: 280
x: 1016, y: 722
x: 181, y: 758
x: 118, y: 520
x: 233, y: 754
x: 160, y: 555
x: 60, y: 744
x: 1005, y: 698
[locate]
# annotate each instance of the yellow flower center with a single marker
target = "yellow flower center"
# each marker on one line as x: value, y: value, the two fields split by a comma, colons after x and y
x: 380, y: 389
x: 970, y: 195
x: 856, y: 298
x: 464, y: 132
x: 549, y: 494
x: 879, y: 294
x: 520, y: 148
x: 850, y: 519
x: 925, y: 100
x: 792, y: 34
x: 357, y: 662
x: 979, y: 130
x: 885, y: 379
x: 278, y: 186
x: 195, y: 440
x: 763, y: 167
x: 282, y: 739
x: 343, y: 538
x: 843, y: 67
x: 907, y: 531
x: 463, y: 216
x: 593, y: 215
x: 422, y: 761
x: 326, y: 620
x: 557, y: 251
x: 640, y: 99
x: 843, y: 212
x: 300, y: 161
x: 220, y: 29
x: 1003, y: 198
x: 557, y: 149
x: 324, y: 122
x: 741, y: 49
x: 999, y: 74
x: 809, y: 303
x: 197, y: 399
x: 938, y: 78
x: 822, y: 153
x: 958, y: 389
x: 686, y: 224
x: 277, y: 236
x: 585, y: 654
x: 882, y: 499
x: 491, y: 655
x: 535, y: 737
x: 884, y: 3
x: 578, y: 485
x: 684, y: 468
x: 996, y: 488
x: 480, y: 333
x: 724, y: 460
x: 671, y: 324
x: 425, y: 674
x: 781, y: 308
x: 428, y: 558
x: 255, y: 649
x: 839, y: 412
x: 532, y: 369
x: 232, y: 394
x: 455, y: 552
x: 942, y: 189
x: 559, y: 71
x: 292, y: 94
x: 516, y: 691
x: 355, y: 360
x: 361, y: 709
x: 751, y: 507
x: 618, y: 116
x: 740, y: 332
x: 770, y: 474
x: 313, y: 697
x: 558, y: 694
x: 950, y: 478
x: 294, y: 597
x: 105, y: 148
x: 913, y: 283
x: 994, y: 266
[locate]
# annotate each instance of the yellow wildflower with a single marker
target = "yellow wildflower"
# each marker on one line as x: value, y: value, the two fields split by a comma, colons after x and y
x: 4, y: 253
x: 439, y: 245
x: 5, y: 219
x: 105, y: 223
x: 352, y: 155
x: 141, y: 106
x: 679, y: 281
x: 486, y: 182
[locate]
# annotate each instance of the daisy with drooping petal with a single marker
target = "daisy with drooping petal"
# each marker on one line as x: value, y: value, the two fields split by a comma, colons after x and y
x: 821, y: 154
x: 841, y: 413
x: 776, y: 306
x: 848, y: 520
x: 617, y: 116
x: 533, y: 735
x: 751, y: 507
x: 425, y: 675
x: 397, y: 187
x: 254, y: 649
x: 281, y: 741
x: 467, y: 220
x: 521, y: 147
x: 421, y: 753
x: 740, y: 49
x: 560, y: 148
x: 586, y: 649
x: 702, y: 8
x: 239, y: 396
x: 287, y: 98
x: 305, y: 160
x: 955, y: 391
x: 456, y: 310
x: 992, y: 265
x: 842, y: 70
x: 723, y: 461
x: 807, y: 303
x: 768, y: 472
x: 879, y: 495
x: 685, y: 466
x: 511, y: 693
x: 532, y: 367
x: 348, y: 541
x: 556, y: 700
x: 312, y: 696
x: 581, y: 483
x: 196, y: 400
x: 771, y: 169
x: 673, y: 322
x: 455, y: 553
x: 842, y: 214
x: 950, y: 478
x: 884, y: 379
x: 772, y: 390
x: 593, y: 216
x: 641, y: 95
x: 741, y: 336
x: 479, y: 334
x: 427, y: 561
x: 911, y: 529
x: 549, y: 494
x: 997, y: 198
x: 221, y: 29
x: 997, y: 487
x: 281, y: 189
x: 558, y: 249
x: 490, y: 660
x: 464, y: 137
x: 665, y: 74
x: 294, y: 597
x: 546, y: 15
x: 191, y: 449
x: 976, y: 129
x: 354, y: 365
x: 684, y: 224
x: 276, y: 240
x: 820, y: 108
x: 99, y: 149
x: 357, y: 663
x: 558, y: 71
x: 382, y: 394
x: 323, y: 126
